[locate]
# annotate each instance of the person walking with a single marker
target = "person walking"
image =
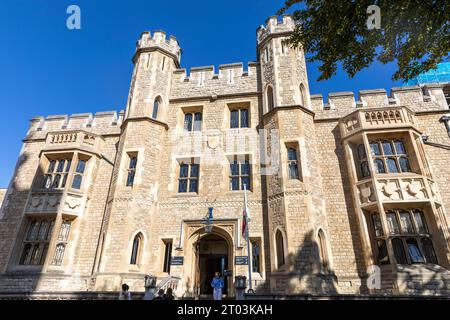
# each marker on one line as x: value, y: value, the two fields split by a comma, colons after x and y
x: 217, y: 284
x: 169, y: 294
x: 125, y: 294
x: 160, y: 295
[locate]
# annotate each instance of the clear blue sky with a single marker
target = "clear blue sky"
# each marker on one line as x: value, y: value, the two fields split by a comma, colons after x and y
x: 47, y: 69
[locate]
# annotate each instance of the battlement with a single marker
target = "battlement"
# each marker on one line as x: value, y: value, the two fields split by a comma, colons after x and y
x: 426, y: 98
x: 204, y: 81
x: 275, y: 26
x: 158, y: 39
x: 106, y: 122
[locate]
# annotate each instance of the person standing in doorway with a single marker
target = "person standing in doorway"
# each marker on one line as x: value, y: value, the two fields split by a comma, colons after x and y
x: 125, y: 294
x: 217, y: 284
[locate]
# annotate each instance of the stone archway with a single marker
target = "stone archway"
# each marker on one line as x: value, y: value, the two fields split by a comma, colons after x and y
x: 210, y: 252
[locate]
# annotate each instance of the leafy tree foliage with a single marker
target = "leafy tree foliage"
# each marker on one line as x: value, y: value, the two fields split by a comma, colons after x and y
x: 414, y: 33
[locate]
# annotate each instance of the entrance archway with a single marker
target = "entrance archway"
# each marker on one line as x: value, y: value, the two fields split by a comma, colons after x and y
x: 212, y: 256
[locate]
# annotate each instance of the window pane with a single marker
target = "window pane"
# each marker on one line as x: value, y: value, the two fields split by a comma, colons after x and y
x: 292, y: 154
x: 245, y: 168
x: 404, y: 164
x: 133, y: 162
x: 392, y: 165
x: 234, y: 183
x: 293, y: 171
x: 69, y: 163
x: 406, y: 223
x: 184, y: 169
x: 255, y: 256
x: 64, y: 181
x: 234, y: 168
x: 244, y: 118
x: 59, y: 254
x: 56, y: 180
x: 64, y: 231
x: 51, y: 166
x: 379, y: 166
x: 387, y: 148
x: 167, y: 257
x: 399, y: 251
x: 198, y: 122
x: 76, y: 184
x: 188, y: 122
x: 135, y: 250
x: 25, y: 254
x: 377, y: 225
x: 32, y: 230
x: 375, y: 148
x: 155, y: 109
x: 193, y: 185
x: 47, y: 181
x: 182, y: 185
x: 428, y: 249
x: 246, y: 181
x: 383, y: 257
x: 420, y: 222
x: 414, y: 252
x: 194, y: 170
x: 60, y: 167
x: 130, y: 178
x: 234, y: 119
x: 42, y: 235
x: 80, y: 166
x: 361, y: 152
x: 392, y: 223
x: 365, y: 172
x: 400, y: 147
x: 35, y: 255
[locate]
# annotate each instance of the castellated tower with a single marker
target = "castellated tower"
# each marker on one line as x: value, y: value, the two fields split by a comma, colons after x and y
x: 296, y: 212
x: 133, y: 194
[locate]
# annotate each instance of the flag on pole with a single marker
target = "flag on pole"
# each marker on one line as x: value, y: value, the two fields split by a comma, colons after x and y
x: 245, y: 216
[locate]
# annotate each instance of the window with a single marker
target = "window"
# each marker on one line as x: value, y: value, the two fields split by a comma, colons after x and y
x: 362, y: 162
x: 163, y: 63
x: 256, y: 256
x: 389, y: 156
x: 63, y: 238
x: 270, y: 99
x: 135, y: 249
x: 240, y: 174
x: 156, y: 105
x: 303, y: 96
x: 131, y: 171
x: 293, y: 163
x: 323, y: 249
x: 188, y: 180
x: 36, y: 241
x: 383, y: 257
x: 239, y: 118
x: 193, y: 121
x: 411, y: 242
x: 280, y: 248
x: 79, y: 172
x: 57, y: 172
x: 167, y: 255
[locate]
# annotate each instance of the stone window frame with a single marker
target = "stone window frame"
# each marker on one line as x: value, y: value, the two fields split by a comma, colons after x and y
x: 131, y: 169
x: 166, y: 260
x: 244, y: 105
x: 388, y: 237
x: 34, y: 243
x: 62, y: 241
x: 139, y: 235
x: 383, y: 158
x: 239, y: 158
x: 296, y: 146
x: 261, y: 255
x: 278, y: 266
x: 188, y: 161
x: 303, y: 95
x: 270, y: 102
x: 324, y: 252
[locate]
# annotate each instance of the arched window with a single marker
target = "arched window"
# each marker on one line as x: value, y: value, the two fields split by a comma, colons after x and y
x: 280, y: 248
x: 399, y: 251
x: 270, y: 99
x: 156, y: 105
x: 323, y: 249
x: 303, y: 96
x: 428, y: 250
x: 136, y: 248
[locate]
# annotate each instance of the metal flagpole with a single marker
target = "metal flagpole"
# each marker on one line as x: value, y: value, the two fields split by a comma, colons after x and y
x: 248, y: 240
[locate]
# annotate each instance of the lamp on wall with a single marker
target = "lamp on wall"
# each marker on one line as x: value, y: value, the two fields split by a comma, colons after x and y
x: 208, y: 220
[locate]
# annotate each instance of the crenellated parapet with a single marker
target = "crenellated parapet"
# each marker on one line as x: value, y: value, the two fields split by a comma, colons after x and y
x: 100, y: 123
x: 426, y: 98
x: 158, y: 40
x: 274, y: 27
x: 205, y: 81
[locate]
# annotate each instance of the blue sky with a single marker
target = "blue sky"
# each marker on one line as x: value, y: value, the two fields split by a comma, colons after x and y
x: 47, y: 69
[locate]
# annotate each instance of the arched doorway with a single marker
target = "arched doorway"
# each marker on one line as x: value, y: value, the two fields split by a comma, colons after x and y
x: 211, y: 254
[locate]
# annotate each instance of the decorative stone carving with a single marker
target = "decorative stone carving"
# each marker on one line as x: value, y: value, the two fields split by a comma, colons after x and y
x: 72, y: 203
x: 36, y: 201
x: 213, y: 141
x: 53, y: 201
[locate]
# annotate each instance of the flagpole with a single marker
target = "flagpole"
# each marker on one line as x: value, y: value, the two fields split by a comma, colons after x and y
x: 248, y: 240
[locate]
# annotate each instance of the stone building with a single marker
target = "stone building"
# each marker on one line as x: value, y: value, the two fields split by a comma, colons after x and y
x: 337, y: 191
